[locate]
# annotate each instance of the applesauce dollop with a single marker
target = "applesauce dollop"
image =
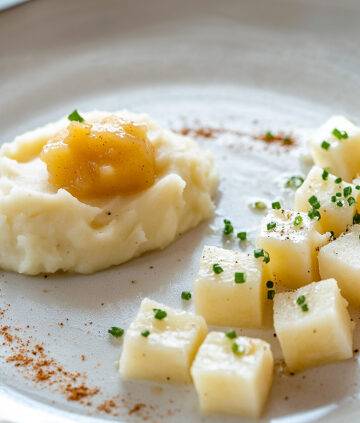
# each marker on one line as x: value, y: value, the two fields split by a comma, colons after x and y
x: 98, y: 159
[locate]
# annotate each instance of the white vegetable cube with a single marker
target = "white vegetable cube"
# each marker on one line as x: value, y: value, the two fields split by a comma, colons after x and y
x: 313, y: 325
x: 341, y: 260
x: 233, y: 375
x: 336, y: 145
x: 229, y: 289
x: 292, y: 242
x: 159, y: 347
x: 337, y: 200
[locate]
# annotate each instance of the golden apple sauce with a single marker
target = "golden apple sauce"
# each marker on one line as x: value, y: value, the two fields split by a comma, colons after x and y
x: 103, y: 158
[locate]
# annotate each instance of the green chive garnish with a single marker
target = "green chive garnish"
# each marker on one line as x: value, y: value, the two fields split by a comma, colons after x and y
x: 298, y: 220
x: 314, y: 214
x: 260, y: 205
x: 231, y: 334
x: 75, y: 116
x: 271, y: 226
x: 217, y: 268
x: 259, y: 252
x: 237, y: 349
x: 301, y: 300
x: 294, y: 182
x: 325, y: 145
x: 116, y: 332
x: 333, y: 198
x: 347, y: 191
x: 242, y: 236
x: 338, y: 180
x: 338, y: 194
x: 276, y: 205
x: 351, y: 201
x: 186, y: 295
x: 356, y: 218
x: 305, y: 307
x: 340, y: 135
x: 145, y: 333
x: 240, y: 277
x: 159, y: 314
x: 266, y: 257
x: 340, y: 203
x: 314, y: 202
x: 325, y: 174
x: 357, y: 187
x: 228, y: 227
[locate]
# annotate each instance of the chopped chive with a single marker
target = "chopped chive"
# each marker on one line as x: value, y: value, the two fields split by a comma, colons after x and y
x: 242, y: 236
x: 269, y: 284
x: 351, y: 201
x: 338, y: 180
x: 228, y: 227
x: 340, y: 135
x: 298, y: 220
x: 276, y: 205
x: 294, y: 182
x: 356, y: 218
x: 266, y: 257
x: 217, y: 268
x: 75, y: 116
x: 240, y: 277
x: 271, y: 226
x: 333, y: 198
x: 357, y: 187
x: 347, y: 191
x: 231, y: 334
x: 325, y: 174
x: 271, y: 294
x: 145, y: 333
x: 314, y: 214
x: 186, y: 295
x: 301, y: 299
x: 159, y: 314
x: 325, y: 145
x: 259, y: 252
x: 338, y: 194
x: 116, y: 332
x: 314, y: 202
x: 305, y: 307
x: 339, y: 203
x: 260, y: 205
x: 237, y: 349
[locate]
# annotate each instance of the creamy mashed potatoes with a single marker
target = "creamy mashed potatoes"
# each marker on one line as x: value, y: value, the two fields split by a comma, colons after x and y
x: 45, y: 228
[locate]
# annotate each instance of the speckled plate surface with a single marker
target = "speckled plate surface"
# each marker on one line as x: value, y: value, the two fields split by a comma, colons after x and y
x: 242, y: 67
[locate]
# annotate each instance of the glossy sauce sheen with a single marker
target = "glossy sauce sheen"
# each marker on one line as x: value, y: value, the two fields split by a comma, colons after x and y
x: 109, y: 157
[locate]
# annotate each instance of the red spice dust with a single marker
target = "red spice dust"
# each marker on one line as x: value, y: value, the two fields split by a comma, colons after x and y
x: 280, y: 138
x: 137, y: 407
x: 76, y: 393
x: 35, y: 364
x: 107, y: 406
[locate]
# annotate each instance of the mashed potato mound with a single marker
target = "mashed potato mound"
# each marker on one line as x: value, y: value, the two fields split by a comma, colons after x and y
x: 44, y: 229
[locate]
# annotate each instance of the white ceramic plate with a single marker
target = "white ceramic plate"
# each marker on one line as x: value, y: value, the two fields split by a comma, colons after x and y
x: 250, y: 65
